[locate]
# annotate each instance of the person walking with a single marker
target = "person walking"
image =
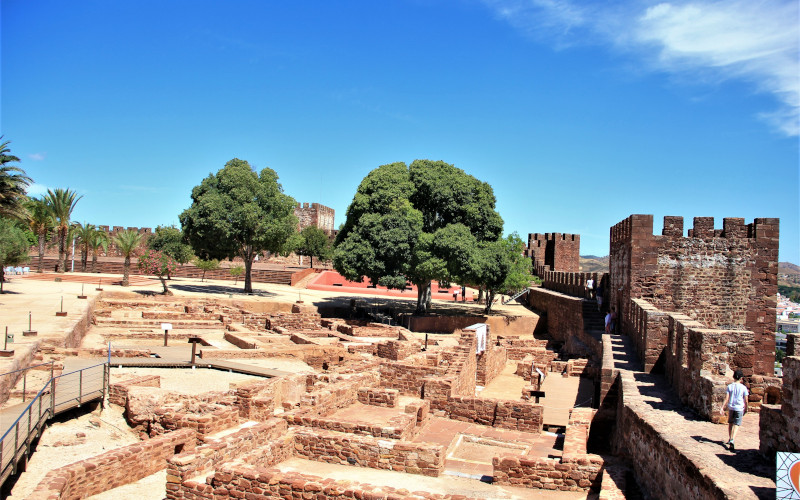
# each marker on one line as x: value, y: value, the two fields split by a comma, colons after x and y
x: 736, y: 404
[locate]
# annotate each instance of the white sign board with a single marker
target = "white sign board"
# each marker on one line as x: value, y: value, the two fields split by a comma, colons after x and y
x: 166, y: 326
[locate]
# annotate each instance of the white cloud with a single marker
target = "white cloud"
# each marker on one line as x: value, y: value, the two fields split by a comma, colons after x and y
x: 754, y: 41
x: 37, y: 156
x: 35, y: 190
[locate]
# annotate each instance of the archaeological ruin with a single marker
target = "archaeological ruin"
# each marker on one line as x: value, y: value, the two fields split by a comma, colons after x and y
x: 352, y: 396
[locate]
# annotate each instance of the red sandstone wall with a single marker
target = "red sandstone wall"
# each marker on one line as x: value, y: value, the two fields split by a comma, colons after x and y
x: 112, y: 469
x: 491, y: 363
x: 557, y: 251
x: 723, y: 278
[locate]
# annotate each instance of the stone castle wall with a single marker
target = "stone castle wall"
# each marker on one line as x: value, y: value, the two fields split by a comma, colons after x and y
x: 555, y: 251
x: 724, y: 278
x: 315, y: 215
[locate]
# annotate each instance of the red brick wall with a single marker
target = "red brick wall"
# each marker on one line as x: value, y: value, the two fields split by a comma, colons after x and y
x: 780, y: 425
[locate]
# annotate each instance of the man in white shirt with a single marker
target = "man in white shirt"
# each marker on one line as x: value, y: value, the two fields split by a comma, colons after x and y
x: 736, y: 403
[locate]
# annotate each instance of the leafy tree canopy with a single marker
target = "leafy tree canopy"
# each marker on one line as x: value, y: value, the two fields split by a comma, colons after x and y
x: 237, y: 212
x: 13, y: 247
x: 416, y: 223
x: 170, y: 240
x: 313, y: 242
x: 159, y: 264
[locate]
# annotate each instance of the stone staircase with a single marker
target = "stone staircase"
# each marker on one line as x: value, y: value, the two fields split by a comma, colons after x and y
x: 593, y: 320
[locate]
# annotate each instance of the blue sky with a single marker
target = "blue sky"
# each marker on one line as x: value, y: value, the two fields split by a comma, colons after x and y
x: 577, y: 113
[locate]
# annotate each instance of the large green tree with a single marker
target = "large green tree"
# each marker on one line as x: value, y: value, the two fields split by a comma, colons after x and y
x: 499, y: 267
x: 170, y: 240
x: 239, y: 213
x: 13, y: 184
x: 61, y: 203
x: 416, y: 223
x: 13, y: 247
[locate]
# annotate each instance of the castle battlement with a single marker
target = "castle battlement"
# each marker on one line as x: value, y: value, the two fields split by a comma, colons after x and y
x: 641, y: 226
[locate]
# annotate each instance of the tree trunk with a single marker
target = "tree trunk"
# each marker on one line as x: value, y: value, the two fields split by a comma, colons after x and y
x: 126, y: 271
x: 311, y: 257
x: 248, y: 266
x: 164, y: 283
x: 41, y: 253
x: 2, y: 278
x: 489, y: 300
x: 84, y: 256
x: 423, y: 297
x: 94, y: 261
x: 61, y: 264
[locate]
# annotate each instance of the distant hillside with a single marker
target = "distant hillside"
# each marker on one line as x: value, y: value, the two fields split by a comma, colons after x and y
x: 788, y: 274
x: 594, y: 264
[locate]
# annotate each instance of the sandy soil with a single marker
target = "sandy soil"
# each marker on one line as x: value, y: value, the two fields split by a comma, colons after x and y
x: 74, y: 439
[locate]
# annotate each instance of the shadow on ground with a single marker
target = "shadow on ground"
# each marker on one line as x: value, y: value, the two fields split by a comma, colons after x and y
x: 215, y: 289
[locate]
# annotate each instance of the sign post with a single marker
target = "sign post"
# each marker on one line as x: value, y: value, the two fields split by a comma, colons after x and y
x: 166, y: 327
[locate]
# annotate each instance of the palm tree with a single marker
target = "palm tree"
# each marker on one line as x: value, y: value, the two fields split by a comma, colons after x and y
x: 85, y: 234
x: 41, y: 223
x: 13, y: 183
x: 99, y: 240
x: 61, y: 203
x: 127, y: 242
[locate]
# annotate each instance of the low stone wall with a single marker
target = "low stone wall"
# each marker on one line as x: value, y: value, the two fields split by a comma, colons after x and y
x: 506, y: 414
x: 118, y: 391
x: 378, y: 397
x: 407, y: 378
x: 518, y: 326
x: 401, y: 426
x: 203, y: 418
x: 568, y: 474
x: 491, y: 363
x: 241, y: 341
x: 113, y: 468
x: 649, y: 335
x: 251, y: 482
x: 563, y: 315
x: 426, y: 459
x: 213, y: 454
x: 397, y: 350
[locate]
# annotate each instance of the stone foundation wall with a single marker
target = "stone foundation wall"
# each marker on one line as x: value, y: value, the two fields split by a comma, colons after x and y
x: 490, y: 364
x: 407, y: 378
x: 401, y: 426
x: 250, y: 482
x: 505, y: 414
x: 118, y: 391
x: 562, y: 314
x: 568, y: 474
x: 397, y: 350
x: 426, y: 459
x: 212, y: 455
x: 378, y: 397
x: 114, y: 468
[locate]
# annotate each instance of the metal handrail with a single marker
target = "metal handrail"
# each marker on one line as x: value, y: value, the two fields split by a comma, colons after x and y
x: 45, y: 412
x: 27, y: 368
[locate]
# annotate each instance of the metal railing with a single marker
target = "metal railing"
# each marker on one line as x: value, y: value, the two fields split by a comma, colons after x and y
x: 60, y: 393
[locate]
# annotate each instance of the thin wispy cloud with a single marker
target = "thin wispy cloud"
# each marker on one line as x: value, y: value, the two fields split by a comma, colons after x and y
x: 37, y: 156
x: 752, y: 41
